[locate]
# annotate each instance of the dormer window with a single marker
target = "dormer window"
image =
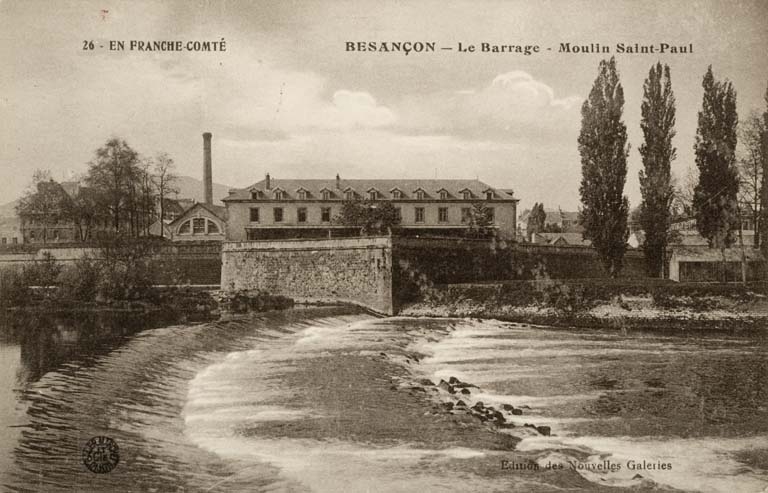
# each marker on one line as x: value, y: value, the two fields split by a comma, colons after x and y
x: 373, y: 195
x: 488, y: 195
x: 326, y: 194
x: 466, y: 195
x: 349, y: 195
x: 278, y: 194
x: 255, y: 194
x: 303, y: 194
x: 420, y: 195
x: 397, y: 194
x: 443, y: 195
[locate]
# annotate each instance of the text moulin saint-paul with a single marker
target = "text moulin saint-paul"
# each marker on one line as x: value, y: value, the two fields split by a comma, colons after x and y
x: 408, y: 47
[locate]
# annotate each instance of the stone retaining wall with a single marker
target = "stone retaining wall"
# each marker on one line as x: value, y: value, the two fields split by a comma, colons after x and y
x: 351, y: 270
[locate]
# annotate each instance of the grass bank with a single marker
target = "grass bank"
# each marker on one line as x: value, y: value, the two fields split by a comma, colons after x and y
x: 602, y: 303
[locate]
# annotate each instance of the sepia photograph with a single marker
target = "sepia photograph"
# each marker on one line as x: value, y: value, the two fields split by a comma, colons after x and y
x: 383, y: 246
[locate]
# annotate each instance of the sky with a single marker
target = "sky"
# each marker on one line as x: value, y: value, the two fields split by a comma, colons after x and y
x: 287, y: 98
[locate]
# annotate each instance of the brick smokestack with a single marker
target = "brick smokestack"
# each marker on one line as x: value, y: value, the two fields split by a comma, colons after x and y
x: 207, y: 169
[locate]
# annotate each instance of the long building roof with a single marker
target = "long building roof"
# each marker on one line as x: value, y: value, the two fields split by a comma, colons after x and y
x: 408, y: 188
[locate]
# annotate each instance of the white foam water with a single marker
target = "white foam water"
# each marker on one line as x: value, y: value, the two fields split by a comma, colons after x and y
x: 240, y: 391
x: 484, y: 353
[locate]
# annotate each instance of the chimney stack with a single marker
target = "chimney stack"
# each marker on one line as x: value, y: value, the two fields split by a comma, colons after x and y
x: 267, y: 183
x: 207, y: 169
x: 338, y: 182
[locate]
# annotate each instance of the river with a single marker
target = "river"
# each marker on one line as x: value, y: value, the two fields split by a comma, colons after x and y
x: 327, y: 400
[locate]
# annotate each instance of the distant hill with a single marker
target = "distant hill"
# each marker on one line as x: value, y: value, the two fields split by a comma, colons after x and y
x: 192, y: 188
x: 189, y: 188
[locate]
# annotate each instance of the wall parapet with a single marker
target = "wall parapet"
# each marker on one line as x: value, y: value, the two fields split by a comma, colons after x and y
x: 347, y: 270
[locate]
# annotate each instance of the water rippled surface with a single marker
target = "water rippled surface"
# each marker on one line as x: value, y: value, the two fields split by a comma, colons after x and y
x: 262, y: 405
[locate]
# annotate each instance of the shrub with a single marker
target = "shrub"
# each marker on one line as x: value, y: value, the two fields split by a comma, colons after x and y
x: 42, y: 272
x: 565, y: 298
x: 125, y: 280
x: 13, y: 289
x: 80, y: 280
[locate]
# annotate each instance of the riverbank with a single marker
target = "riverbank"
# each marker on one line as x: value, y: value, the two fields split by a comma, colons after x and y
x: 568, y: 307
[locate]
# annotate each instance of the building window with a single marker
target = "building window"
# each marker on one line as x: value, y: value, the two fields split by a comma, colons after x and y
x: 302, y: 195
x: 397, y: 194
x: 443, y: 195
x: 325, y: 214
x: 349, y: 195
x: 212, y: 228
x: 279, y: 195
x: 14, y: 240
x: 442, y: 215
x: 466, y: 194
x: 466, y: 214
x: 326, y: 195
x: 198, y: 226
x: 254, y: 214
x: 255, y: 195
x: 488, y: 195
x: 420, y: 195
x: 491, y: 214
x: 278, y: 214
x: 373, y: 195
x: 419, y: 215
x: 184, y: 228
x: 301, y: 214
x: 398, y: 214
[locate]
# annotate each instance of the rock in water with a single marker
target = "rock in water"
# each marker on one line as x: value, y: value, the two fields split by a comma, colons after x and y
x: 446, y: 386
x: 465, y: 391
x: 544, y: 430
x: 517, y: 412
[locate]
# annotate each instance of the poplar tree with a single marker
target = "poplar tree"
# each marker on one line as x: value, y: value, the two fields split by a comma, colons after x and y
x: 715, y: 203
x: 603, y: 148
x: 657, y: 152
x: 536, y: 220
x: 764, y: 183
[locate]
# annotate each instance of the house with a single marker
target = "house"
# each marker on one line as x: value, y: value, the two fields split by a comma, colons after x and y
x: 201, y: 222
x: 301, y: 208
x: 703, y: 264
x: 10, y: 231
x: 560, y: 239
x: 556, y: 220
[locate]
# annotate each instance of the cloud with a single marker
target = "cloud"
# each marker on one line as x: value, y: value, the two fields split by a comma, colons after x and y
x: 512, y: 105
x: 355, y: 109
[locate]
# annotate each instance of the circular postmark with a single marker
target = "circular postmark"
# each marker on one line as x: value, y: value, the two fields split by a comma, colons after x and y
x: 101, y: 454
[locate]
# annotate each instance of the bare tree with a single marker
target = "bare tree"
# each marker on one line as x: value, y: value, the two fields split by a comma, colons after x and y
x: 165, y: 179
x: 751, y: 164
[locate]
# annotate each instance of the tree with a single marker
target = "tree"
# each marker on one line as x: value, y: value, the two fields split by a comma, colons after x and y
x: 657, y: 152
x: 603, y: 148
x: 44, y: 203
x: 164, y: 179
x: 536, y: 219
x: 480, y: 221
x: 752, y: 164
x: 764, y: 181
x: 83, y: 211
x: 114, y: 175
x: 372, y: 217
x: 715, y: 197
